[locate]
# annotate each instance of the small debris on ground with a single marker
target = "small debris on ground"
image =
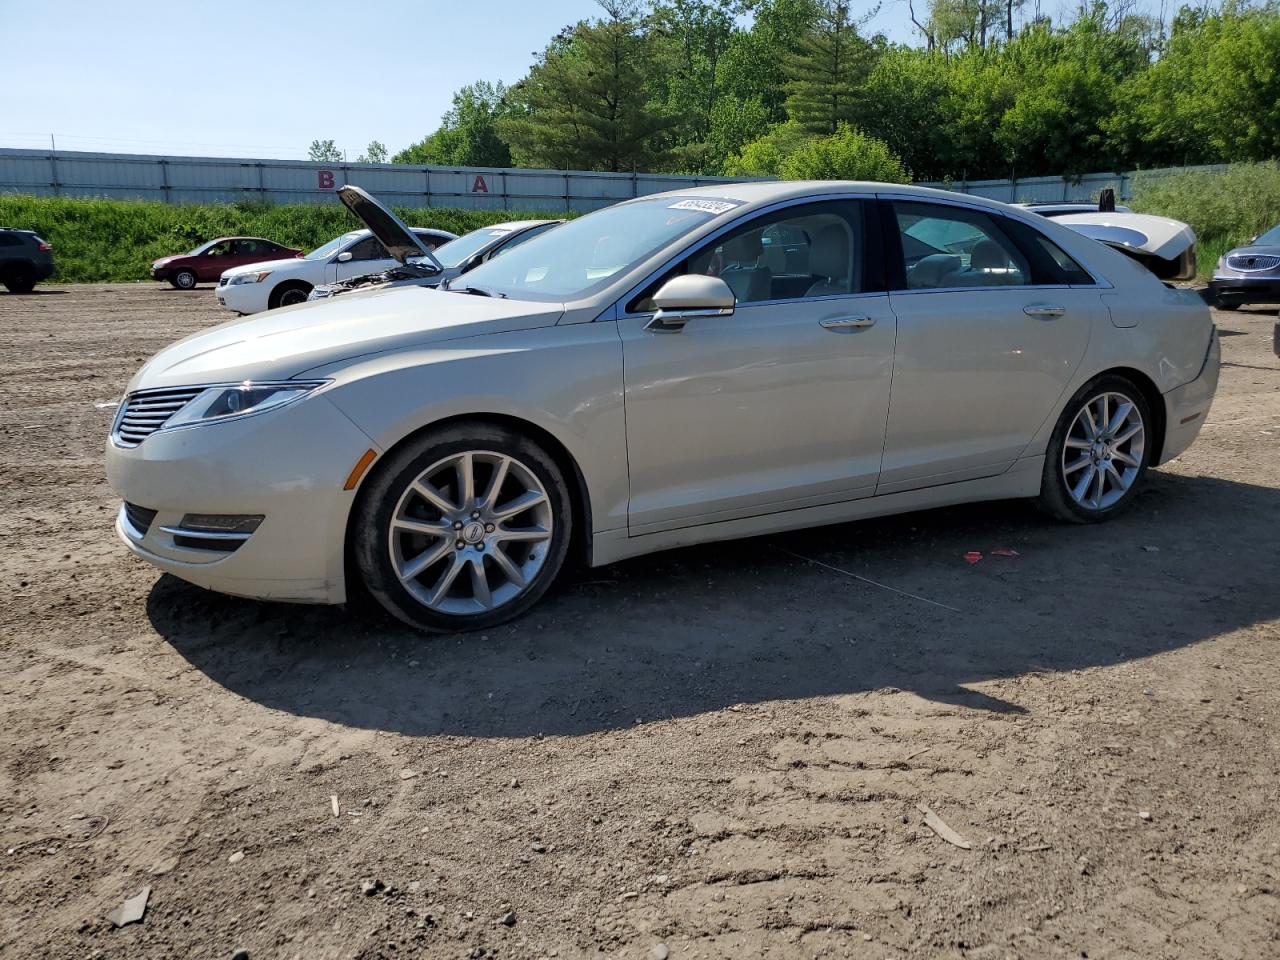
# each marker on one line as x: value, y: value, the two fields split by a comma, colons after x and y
x: 408, y: 774
x: 372, y: 887
x: 538, y: 847
x: 132, y: 910
x: 1144, y: 814
x: 241, y: 954
x: 659, y: 951
x: 333, y: 804
x: 508, y: 919
x: 942, y: 829
x: 236, y: 857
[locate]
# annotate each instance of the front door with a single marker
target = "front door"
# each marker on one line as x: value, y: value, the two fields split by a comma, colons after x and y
x: 781, y: 405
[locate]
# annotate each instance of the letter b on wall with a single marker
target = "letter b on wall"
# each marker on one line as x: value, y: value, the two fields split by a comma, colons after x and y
x: 325, y: 178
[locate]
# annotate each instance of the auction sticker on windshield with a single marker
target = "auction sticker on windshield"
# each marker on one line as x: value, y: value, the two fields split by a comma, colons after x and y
x: 705, y: 206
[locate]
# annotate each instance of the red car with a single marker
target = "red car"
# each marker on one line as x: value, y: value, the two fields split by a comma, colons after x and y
x: 206, y: 262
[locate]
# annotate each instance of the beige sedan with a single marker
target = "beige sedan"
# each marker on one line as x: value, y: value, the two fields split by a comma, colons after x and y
x: 700, y: 365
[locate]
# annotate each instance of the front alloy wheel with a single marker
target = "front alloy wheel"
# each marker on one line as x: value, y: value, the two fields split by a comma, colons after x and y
x: 184, y: 280
x: 463, y: 530
x: 1098, y: 452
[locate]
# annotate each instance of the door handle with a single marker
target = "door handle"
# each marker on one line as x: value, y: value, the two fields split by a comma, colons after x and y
x: 847, y: 323
x: 1043, y: 310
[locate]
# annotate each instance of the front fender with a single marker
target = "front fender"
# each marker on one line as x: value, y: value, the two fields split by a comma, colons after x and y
x: 566, y: 380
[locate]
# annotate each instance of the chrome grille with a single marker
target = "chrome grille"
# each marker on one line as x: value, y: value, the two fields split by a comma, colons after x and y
x: 1253, y: 261
x: 146, y: 411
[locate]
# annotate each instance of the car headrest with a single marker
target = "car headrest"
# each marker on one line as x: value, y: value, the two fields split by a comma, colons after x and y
x: 745, y: 248
x: 829, y: 255
x: 988, y: 255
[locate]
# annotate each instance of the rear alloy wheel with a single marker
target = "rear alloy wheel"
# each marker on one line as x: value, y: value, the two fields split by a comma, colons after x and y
x: 464, y: 530
x: 1099, y: 452
x: 20, y: 279
x: 184, y: 280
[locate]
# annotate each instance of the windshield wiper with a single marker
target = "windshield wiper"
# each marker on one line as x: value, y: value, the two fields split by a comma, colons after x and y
x: 475, y: 291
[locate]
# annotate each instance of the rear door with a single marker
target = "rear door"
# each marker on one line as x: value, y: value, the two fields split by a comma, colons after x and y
x: 990, y: 333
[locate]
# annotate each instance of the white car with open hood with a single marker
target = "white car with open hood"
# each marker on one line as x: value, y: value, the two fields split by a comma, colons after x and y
x: 721, y: 362
x: 282, y: 283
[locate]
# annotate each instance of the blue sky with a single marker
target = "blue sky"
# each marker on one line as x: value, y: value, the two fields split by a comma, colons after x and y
x: 265, y: 78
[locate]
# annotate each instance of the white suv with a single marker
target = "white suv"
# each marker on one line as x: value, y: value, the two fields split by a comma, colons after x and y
x: 279, y: 283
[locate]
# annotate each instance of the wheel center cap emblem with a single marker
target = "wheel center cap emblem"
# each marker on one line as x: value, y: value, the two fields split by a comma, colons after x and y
x: 473, y: 532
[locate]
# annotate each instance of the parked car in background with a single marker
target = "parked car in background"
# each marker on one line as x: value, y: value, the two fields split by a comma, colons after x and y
x: 651, y: 375
x: 206, y: 262
x: 282, y: 283
x: 448, y: 261
x: 1055, y: 208
x: 1248, y: 274
x: 25, y: 259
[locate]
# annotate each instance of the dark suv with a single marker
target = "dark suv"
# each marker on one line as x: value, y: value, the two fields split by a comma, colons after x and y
x: 25, y: 259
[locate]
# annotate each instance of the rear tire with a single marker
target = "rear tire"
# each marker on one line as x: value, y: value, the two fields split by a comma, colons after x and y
x: 20, y: 279
x: 444, y: 549
x: 1099, y: 452
x: 289, y: 293
x: 184, y: 279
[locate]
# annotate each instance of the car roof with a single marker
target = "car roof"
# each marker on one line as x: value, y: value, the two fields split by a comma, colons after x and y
x: 758, y: 193
x: 17, y: 230
x: 510, y: 225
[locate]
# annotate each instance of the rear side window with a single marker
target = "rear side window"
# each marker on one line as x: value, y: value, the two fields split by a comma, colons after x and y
x: 945, y: 247
x: 10, y: 240
x: 1050, y: 264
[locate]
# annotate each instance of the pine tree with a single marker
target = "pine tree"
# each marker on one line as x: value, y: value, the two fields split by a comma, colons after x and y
x: 585, y: 104
x: 825, y: 75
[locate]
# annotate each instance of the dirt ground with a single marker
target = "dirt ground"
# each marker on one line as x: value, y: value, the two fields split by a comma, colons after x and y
x: 716, y: 752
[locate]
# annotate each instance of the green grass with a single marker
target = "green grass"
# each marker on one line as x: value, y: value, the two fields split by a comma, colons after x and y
x: 97, y: 240
x: 1225, y: 208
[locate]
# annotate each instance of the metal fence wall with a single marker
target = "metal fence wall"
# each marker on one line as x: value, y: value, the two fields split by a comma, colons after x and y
x: 222, y: 180
x: 1044, y: 189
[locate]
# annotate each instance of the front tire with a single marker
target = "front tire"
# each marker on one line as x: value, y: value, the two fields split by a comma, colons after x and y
x: 287, y: 294
x: 1099, y: 452
x: 462, y: 529
x: 184, y: 280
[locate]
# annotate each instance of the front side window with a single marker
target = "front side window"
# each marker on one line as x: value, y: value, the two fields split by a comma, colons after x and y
x: 799, y: 252
x: 219, y: 249
x: 369, y: 249
x: 946, y: 247
x: 585, y: 255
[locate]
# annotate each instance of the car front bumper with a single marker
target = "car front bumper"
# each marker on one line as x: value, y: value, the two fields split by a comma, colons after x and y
x: 1234, y: 291
x: 288, y: 466
x: 1186, y: 407
x: 243, y: 298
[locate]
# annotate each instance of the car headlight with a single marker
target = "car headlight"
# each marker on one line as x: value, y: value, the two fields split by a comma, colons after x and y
x: 242, y: 400
x: 240, y: 278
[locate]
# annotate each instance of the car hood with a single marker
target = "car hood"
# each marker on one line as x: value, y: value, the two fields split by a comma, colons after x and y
x: 165, y: 261
x: 401, y: 242
x: 268, y: 265
x: 1256, y: 250
x: 284, y: 343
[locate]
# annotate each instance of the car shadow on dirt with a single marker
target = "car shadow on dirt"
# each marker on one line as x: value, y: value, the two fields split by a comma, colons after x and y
x: 695, y: 630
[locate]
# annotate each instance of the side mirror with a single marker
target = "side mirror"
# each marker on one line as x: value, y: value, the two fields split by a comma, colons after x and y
x: 343, y: 257
x: 687, y: 297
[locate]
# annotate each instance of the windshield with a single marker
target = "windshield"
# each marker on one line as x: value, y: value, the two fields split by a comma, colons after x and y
x: 1271, y: 236
x: 451, y: 254
x: 587, y: 254
x: 333, y: 246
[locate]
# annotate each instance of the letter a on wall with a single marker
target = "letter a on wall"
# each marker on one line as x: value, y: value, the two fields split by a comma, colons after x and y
x: 479, y: 186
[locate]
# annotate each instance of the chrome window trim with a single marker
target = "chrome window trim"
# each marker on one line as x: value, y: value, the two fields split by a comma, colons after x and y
x: 618, y: 308
x: 1098, y: 284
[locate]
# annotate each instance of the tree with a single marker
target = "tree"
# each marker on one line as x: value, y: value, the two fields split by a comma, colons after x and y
x: 324, y: 151
x: 376, y: 152
x: 585, y: 104
x: 827, y: 74
x: 764, y: 156
x: 847, y: 154
x: 906, y: 100
x: 468, y: 133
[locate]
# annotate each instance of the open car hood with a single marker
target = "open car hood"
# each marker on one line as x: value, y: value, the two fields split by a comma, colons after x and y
x: 399, y: 240
x: 1165, y: 247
